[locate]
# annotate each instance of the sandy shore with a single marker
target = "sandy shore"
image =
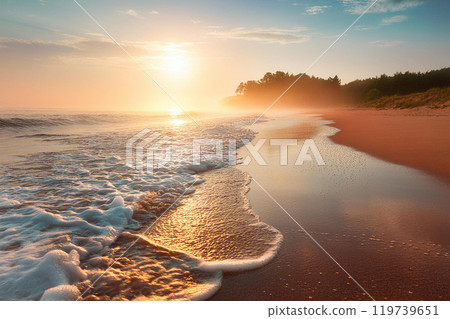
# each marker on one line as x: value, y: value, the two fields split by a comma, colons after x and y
x: 386, y: 224
x: 419, y: 138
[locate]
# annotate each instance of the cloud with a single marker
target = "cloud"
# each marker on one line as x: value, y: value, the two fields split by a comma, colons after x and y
x: 129, y: 12
x: 134, y: 13
x: 269, y: 35
x: 361, y: 28
x: 394, y: 19
x: 358, y: 6
x: 316, y: 9
x: 153, y: 54
x: 19, y: 47
x: 96, y: 34
x: 384, y: 44
x: 80, y: 48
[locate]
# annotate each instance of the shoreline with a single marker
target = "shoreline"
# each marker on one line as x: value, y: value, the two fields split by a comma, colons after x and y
x: 393, y: 246
x: 418, y: 138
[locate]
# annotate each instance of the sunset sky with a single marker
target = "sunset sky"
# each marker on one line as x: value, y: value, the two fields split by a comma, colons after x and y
x: 52, y: 56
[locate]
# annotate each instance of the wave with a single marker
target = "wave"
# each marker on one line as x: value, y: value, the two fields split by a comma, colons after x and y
x: 43, y: 135
x: 18, y: 122
x: 58, y: 120
x: 231, y: 238
x: 39, y: 120
x: 72, y: 210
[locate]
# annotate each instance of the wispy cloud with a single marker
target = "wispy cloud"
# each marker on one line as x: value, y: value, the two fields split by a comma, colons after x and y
x: 96, y: 35
x: 316, y: 9
x: 82, y: 47
x: 383, y: 22
x: 361, y: 28
x: 134, y: 13
x: 129, y: 12
x: 394, y: 19
x: 269, y: 35
x: 358, y: 6
x: 85, y: 48
x: 384, y: 44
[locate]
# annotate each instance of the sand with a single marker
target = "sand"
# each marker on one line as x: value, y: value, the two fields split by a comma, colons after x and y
x: 418, y: 138
x: 386, y: 224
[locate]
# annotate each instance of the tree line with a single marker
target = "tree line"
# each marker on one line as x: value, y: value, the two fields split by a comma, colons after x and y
x: 313, y: 90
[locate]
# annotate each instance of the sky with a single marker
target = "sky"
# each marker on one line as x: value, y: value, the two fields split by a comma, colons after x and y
x: 53, y: 56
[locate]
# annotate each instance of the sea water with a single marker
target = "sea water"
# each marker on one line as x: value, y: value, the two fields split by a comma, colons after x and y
x: 77, y: 223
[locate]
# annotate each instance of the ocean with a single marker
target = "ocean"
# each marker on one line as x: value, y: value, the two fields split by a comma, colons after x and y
x: 77, y: 223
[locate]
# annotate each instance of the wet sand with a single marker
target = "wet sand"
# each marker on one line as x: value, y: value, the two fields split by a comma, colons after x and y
x: 418, y: 138
x: 386, y: 224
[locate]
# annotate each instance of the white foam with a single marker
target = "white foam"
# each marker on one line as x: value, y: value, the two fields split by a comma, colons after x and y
x: 61, y: 293
x: 32, y: 276
x: 205, y: 290
x: 25, y: 234
x: 74, y: 204
x: 235, y: 265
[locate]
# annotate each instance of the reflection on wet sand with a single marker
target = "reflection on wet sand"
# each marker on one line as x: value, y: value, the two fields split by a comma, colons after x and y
x: 216, y: 225
x: 386, y: 224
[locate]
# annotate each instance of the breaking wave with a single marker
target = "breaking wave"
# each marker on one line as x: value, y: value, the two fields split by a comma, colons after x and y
x: 65, y: 216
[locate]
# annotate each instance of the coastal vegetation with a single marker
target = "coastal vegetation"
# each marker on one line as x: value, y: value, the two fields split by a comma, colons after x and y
x: 401, y: 90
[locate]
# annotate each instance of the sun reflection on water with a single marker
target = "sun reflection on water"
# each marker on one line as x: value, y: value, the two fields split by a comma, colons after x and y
x: 177, y: 122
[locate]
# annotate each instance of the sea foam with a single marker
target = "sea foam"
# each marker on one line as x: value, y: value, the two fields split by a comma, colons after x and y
x: 64, y: 214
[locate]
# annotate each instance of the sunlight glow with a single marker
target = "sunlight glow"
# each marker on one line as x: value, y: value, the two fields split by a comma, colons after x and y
x: 174, y: 112
x: 175, y: 60
x: 177, y: 122
x: 176, y: 64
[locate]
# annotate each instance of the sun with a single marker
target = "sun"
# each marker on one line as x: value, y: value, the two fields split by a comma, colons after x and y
x: 176, y: 61
x: 177, y: 64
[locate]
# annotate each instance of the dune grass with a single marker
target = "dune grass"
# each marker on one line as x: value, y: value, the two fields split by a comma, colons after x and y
x: 436, y: 98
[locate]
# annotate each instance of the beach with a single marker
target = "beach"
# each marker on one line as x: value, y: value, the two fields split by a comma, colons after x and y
x: 355, y: 228
x: 419, y: 138
x: 384, y: 223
